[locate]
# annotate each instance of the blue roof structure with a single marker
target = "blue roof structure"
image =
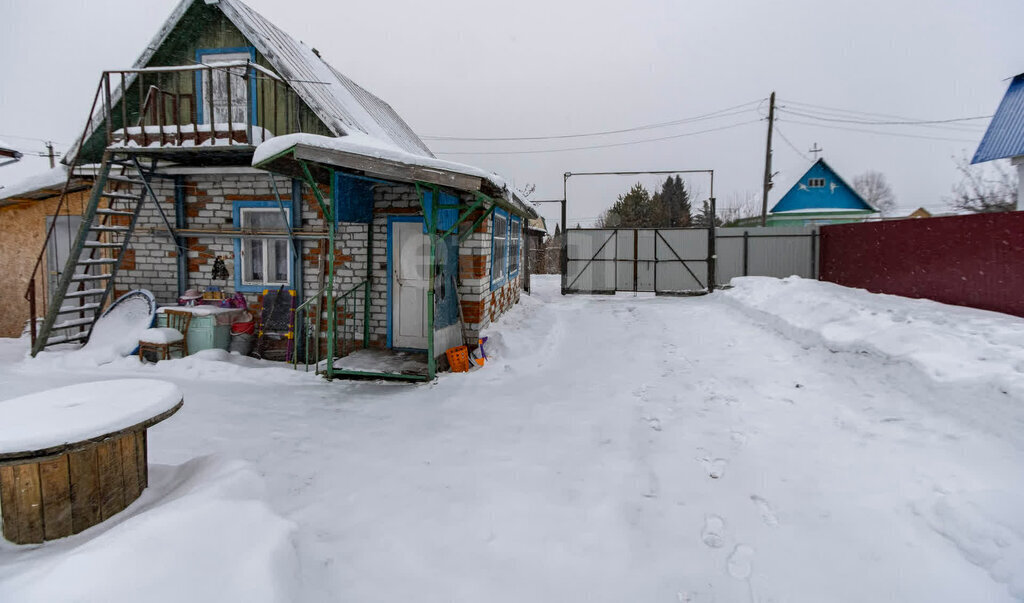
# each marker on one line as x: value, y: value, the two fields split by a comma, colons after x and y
x: 1005, y: 135
x: 821, y: 188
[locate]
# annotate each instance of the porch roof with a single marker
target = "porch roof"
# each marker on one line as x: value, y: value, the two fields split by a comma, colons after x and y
x: 369, y: 156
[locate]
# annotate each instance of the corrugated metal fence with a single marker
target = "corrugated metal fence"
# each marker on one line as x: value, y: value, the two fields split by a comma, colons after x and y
x: 975, y: 260
x: 776, y: 251
x: 680, y: 260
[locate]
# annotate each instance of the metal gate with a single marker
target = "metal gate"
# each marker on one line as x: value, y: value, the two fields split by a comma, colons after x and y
x: 664, y: 261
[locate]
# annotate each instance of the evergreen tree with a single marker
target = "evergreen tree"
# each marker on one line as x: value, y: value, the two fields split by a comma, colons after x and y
x: 635, y: 209
x: 703, y: 218
x: 674, y: 201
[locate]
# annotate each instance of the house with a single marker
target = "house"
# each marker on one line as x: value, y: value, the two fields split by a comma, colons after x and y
x: 820, y: 196
x: 8, y: 154
x: 920, y: 212
x: 1004, y: 138
x: 229, y: 143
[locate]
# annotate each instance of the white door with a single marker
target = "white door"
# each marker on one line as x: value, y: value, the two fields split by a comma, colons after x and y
x: 410, y: 257
x: 239, y: 93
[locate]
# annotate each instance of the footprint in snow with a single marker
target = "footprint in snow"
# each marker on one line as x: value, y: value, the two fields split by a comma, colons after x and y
x: 713, y: 533
x: 654, y: 423
x: 714, y: 467
x: 768, y: 515
x: 739, y: 439
x: 740, y: 564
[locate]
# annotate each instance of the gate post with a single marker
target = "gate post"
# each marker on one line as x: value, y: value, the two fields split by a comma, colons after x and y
x: 746, y: 249
x: 711, y: 246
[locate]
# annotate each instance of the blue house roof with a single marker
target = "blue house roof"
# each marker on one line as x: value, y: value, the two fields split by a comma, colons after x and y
x: 1005, y: 135
x: 821, y: 188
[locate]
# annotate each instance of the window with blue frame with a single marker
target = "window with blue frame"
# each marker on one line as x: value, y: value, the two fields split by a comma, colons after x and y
x: 514, y: 245
x: 506, y: 245
x: 229, y: 88
x: 262, y: 262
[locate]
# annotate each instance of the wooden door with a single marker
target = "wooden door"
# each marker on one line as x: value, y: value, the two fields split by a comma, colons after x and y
x: 409, y: 272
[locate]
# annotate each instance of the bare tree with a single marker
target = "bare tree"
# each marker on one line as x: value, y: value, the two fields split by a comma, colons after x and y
x: 740, y: 206
x: 984, y: 189
x: 872, y: 186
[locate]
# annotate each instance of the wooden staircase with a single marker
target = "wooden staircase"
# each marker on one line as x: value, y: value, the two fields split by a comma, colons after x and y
x: 86, y: 283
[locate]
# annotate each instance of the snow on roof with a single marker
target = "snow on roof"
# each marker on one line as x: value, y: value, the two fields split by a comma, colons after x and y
x: 7, y: 150
x: 51, y: 178
x: 1005, y: 134
x: 340, y: 103
x: 369, y: 146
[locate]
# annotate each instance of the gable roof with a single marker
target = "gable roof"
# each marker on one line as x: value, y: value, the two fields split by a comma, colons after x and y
x: 1005, y: 134
x: 836, y: 195
x: 341, y: 104
x: 7, y: 150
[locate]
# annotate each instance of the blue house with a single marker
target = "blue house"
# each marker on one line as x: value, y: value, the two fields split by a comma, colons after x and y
x: 1004, y: 138
x: 820, y: 196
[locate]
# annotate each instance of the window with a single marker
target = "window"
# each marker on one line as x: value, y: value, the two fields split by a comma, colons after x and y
x: 499, y: 248
x: 241, y: 94
x: 264, y: 261
x: 816, y: 182
x: 514, y: 245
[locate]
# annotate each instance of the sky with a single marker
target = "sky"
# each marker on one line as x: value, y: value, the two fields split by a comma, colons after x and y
x: 532, y: 68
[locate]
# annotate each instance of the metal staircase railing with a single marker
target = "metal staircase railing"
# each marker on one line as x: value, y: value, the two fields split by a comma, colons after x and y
x: 350, y: 330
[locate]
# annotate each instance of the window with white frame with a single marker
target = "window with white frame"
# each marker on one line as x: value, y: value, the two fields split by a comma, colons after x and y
x: 499, y: 248
x: 816, y: 182
x: 265, y: 261
x: 514, y: 245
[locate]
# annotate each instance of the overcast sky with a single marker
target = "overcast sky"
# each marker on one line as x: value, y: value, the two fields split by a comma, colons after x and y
x: 472, y: 68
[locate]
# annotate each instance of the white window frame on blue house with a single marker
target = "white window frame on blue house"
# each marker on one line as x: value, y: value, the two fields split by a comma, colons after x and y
x: 242, y: 260
x: 503, y: 226
x: 204, y: 112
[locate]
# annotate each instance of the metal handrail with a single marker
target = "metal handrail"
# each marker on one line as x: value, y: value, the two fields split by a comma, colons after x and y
x: 313, y: 308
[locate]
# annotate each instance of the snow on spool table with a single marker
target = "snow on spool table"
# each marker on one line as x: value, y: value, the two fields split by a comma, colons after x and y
x: 74, y: 456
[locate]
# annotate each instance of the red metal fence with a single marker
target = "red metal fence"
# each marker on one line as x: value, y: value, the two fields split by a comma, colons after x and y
x: 974, y: 260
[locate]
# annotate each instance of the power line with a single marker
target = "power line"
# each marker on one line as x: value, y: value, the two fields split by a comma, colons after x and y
x: 791, y: 145
x: 598, y: 146
x: 33, y: 139
x: 922, y: 122
x: 898, y: 134
x: 727, y: 112
x: 823, y: 111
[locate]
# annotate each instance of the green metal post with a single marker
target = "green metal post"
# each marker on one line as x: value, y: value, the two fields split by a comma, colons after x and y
x: 369, y: 278
x: 432, y: 226
x: 328, y: 212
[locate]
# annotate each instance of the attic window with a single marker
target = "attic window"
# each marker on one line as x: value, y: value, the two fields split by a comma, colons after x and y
x: 816, y: 182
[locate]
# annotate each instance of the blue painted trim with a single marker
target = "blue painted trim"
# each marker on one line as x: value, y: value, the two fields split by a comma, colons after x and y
x: 494, y: 218
x: 519, y: 246
x: 236, y: 218
x: 199, y: 78
x: 392, y: 220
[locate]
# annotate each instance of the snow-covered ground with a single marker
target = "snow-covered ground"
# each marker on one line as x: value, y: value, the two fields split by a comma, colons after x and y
x: 780, y: 441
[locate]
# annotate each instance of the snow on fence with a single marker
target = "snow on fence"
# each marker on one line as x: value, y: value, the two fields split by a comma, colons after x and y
x: 972, y: 260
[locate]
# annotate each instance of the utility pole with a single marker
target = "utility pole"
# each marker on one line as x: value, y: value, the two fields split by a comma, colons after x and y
x: 49, y: 152
x: 768, y: 161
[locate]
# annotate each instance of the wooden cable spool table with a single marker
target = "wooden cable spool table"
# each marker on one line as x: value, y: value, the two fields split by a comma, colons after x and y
x: 73, y: 457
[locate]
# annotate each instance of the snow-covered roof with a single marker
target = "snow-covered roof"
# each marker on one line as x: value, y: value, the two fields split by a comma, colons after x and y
x: 374, y: 148
x: 1005, y: 135
x: 7, y: 150
x: 52, y: 178
x: 342, y: 105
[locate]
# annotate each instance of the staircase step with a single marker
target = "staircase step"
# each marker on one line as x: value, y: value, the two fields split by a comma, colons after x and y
x: 85, y: 293
x: 89, y: 277
x: 65, y: 339
x: 102, y: 245
x: 114, y: 212
x: 98, y: 262
x: 75, y: 309
x: 128, y: 179
x: 119, y: 195
x: 108, y: 228
x: 75, y: 322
